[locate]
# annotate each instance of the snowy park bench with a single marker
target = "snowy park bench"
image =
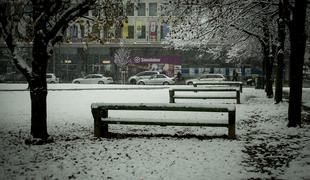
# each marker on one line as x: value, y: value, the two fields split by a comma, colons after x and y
x: 173, y: 95
x: 220, y: 83
x: 102, y: 119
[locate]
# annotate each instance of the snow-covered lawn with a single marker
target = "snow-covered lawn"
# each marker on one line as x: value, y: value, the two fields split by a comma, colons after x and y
x: 264, y: 147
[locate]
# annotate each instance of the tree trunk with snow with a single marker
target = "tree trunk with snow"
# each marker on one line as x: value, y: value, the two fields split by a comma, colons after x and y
x: 298, y: 44
x: 267, y: 59
x: 37, y: 84
x: 280, y: 52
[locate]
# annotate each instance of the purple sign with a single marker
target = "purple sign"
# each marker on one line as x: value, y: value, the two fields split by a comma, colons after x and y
x: 162, y: 60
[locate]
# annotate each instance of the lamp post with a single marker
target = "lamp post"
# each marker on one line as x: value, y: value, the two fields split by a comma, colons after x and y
x: 67, y: 62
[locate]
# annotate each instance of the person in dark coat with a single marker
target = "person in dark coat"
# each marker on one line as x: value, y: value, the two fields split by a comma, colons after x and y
x: 235, y: 75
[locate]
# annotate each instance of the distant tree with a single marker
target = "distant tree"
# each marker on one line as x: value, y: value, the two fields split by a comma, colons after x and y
x: 122, y: 59
x: 45, y: 21
x: 210, y: 24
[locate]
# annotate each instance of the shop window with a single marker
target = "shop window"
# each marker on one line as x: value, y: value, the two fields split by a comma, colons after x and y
x: 141, y: 9
x: 130, y: 9
x: 152, y: 9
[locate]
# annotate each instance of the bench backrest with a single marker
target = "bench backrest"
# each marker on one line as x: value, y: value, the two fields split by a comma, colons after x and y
x: 164, y: 107
x: 203, y: 89
x: 219, y: 83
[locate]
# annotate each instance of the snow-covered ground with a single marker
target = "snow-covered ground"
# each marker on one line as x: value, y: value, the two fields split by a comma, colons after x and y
x: 264, y: 148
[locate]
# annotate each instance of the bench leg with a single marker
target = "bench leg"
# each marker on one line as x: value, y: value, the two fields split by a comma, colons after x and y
x: 171, y: 96
x: 231, y: 124
x: 100, y: 129
x: 240, y: 87
x: 238, y: 97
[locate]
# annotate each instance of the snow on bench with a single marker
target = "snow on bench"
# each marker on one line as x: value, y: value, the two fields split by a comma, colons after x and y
x: 229, y: 83
x: 173, y: 96
x: 102, y: 119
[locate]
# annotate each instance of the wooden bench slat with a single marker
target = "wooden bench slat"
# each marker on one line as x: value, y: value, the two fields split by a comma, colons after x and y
x: 229, y: 83
x: 204, y: 89
x: 204, y: 97
x: 162, y: 122
x: 164, y: 107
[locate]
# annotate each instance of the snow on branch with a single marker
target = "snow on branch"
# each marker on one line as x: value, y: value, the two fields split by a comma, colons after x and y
x: 122, y: 57
x: 68, y: 15
x: 10, y: 21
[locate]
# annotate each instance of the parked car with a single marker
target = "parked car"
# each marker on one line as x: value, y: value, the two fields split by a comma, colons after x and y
x: 141, y: 75
x: 206, y: 78
x: 159, y: 79
x: 51, y: 78
x: 93, y: 79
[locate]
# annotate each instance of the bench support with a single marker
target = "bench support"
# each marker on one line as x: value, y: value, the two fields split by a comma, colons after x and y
x: 231, y: 124
x: 171, y: 95
x: 238, y: 97
x: 100, y: 129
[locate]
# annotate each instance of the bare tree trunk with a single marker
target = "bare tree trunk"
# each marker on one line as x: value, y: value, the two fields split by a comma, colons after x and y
x: 280, y: 52
x: 38, y: 85
x: 298, y: 43
x: 268, y: 60
x: 38, y: 112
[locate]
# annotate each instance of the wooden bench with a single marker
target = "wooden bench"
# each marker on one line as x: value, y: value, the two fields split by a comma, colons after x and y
x: 173, y: 96
x: 102, y: 120
x: 229, y: 83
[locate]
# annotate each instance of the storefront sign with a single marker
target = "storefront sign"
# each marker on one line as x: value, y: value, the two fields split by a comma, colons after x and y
x: 162, y: 60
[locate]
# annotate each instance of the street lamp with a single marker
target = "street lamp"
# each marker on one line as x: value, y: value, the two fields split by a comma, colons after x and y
x: 67, y: 62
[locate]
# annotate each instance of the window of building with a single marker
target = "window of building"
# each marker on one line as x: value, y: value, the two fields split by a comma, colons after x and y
x: 164, y: 30
x: 130, y: 9
x: 118, y: 32
x: 74, y: 31
x: 95, y: 31
x: 152, y: 9
x: 131, y: 33
x: 82, y: 27
x: 141, y: 32
x: 141, y: 9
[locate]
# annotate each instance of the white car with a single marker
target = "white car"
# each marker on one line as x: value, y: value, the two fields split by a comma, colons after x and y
x: 158, y: 79
x: 51, y: 78
x: 206, y: 78
x: 141, y: 75
x: 93, y: 79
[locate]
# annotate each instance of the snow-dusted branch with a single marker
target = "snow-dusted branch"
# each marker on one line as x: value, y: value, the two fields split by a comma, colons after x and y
x: 10, y: 15
x: 69, y: 15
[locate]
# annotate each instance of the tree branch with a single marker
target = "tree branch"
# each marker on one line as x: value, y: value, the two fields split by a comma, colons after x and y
x: 69, y: 15
x: 249, y: 33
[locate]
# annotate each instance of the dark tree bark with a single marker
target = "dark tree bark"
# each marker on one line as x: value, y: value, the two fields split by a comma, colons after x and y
x: 37, y: 84
x: 268, y: 60
x: 298, y: 43
x: 280, y: 51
